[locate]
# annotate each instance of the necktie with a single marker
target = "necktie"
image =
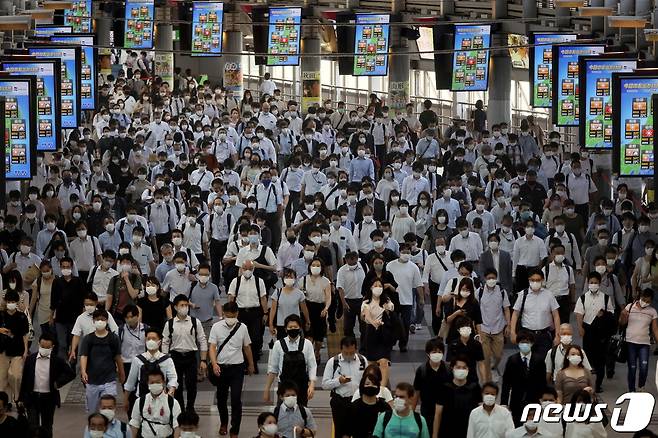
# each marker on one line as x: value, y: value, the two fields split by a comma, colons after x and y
x: 525, y: 362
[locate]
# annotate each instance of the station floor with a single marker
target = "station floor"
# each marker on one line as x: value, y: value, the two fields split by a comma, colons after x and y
x: 71, y: 417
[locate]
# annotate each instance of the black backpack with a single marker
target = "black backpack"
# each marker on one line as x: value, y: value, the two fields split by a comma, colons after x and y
x: 193, y: 330
x: 146, y: 368
x: 302, y: 411
x: 170, y: 402
x: 389, y: 414
x: 294, y: 363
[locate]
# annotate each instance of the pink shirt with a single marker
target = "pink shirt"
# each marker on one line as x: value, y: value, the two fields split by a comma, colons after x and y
x: 639, y: 324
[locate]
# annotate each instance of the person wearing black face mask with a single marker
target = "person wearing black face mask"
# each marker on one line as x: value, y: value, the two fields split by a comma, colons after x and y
x: 368, y: 405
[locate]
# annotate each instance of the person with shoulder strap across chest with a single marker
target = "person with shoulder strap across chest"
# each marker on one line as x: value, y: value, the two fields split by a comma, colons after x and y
x: 402, y: 421
x: 155, y: 414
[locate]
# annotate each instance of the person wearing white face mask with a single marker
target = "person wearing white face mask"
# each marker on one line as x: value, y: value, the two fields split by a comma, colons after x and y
x: 84, y: 324
x: 430, y: 378
x: 529, y: 251
x: 44, y: 372
x: 402, y: 421
x: 294, y: 420
x: 85, y: 251
x: 489, y: 420
x: 465, y: 344
x: 402, y: 222
x: 100, y: 361
x: 407, y: 275
x: 556, y: 355
x: 179, y: 280
x: 155, y: 414
x: 115, y: 427
x: 573, y: 377
x: 467, y: 241
x: 596, y: 324
x: 560, y: 279
x: 456, y: 402
x: 436, y: 266
x: 205, y: 296
x: 349, y: 280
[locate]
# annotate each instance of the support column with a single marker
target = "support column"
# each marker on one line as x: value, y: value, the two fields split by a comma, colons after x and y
x: 311, y: 84
x: 499, y: 108
x: 398, y: 79
x: 232, y: 71
x: 163, y: 61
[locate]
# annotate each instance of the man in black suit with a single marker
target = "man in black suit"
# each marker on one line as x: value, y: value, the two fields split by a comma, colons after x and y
x: 524, y: 377
x: 377, y: 205
x: 43, y: 374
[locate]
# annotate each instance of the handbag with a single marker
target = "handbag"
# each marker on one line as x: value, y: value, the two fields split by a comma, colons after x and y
x: 445, y: 325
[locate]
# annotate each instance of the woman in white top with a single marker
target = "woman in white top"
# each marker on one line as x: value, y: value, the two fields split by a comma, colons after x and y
x: 402, y: 223
x: 422, y: 214
x: 287, y: 301
x: 387, y: 184
x: 375, y: 311
x: 594, y: 429
x: 318, y: 298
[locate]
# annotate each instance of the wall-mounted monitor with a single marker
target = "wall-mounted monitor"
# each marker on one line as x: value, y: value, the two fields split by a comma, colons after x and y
x: 138, y: 25
x: 207, y: 28
x: 595, y: 124
x: 47, y: 73
x: 46, y: 30
x: 426, y: 42
x: 88, y: 60
x: 541, y: 65
x: 566, y: 81
x: 20, y: 126
x: 79, y: 16
x: 518, y: 50
x: 70, y: 86
x: 284, y: 33
x: 470, y: 59
x: 633, y: 123
x: 371, y: 41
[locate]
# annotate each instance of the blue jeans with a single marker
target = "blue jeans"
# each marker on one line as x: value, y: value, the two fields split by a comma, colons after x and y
x: 635, y: 352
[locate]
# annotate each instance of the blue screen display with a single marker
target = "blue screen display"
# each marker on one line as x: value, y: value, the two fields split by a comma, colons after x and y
x: 283, y: 36
x: 48, y: 30
x: 470, y: 61
x: 138, y: 30
x: 18, y: 128
x: 87, y: 67
x: 70, y: 84
x: 542, y: 65
x: 79, y: 16
x: 371, y: 45
x: 207, y: 26
x: 48, y: 123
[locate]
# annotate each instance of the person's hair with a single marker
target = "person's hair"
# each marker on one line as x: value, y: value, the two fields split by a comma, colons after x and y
x: 406, y: 387
x: 550, y: 390
x: 434, y: 344
x: 647, y: 293
x: 153, y: 330
x: 89, y: 418
x: 287, y: 386
x: 292, y: 318
x: 188, y: 418
x: 109, y: 397
x: 459, y: 358
x: 372, y: 373
x: 262, y: 418
x: 12, y: 295
x: 130, y: 309
x: 348, y: 341
x: 180, y: 298
x: 100, y: 313
x: 490, y: 385
x: 47, y: 337
x: 525, y: 335
x: 566, y: 362
x: 230, y: 307
x: 156, y: 372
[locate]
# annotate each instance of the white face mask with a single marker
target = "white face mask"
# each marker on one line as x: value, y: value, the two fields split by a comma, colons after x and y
x: 96, y: 434
x: 489, y: 399
x: 100, y: 324
x: 151, y: 290
x: 436, y: 357
x: 289, y: 281
x: 152, y: 344
x: 566, y: 339
x: 491, y: 282
x: 399, y: 404
x: 460, y: 373
x: 270, y: 429
x: 535, y: 285
x: 155, y: 388
x: 575, y: 359
x: 559, y: 258
x: 315, y: 270
x: 290, y: 401
x: 90, y: 309
x: 465, y: 331
x: 107, y: 413
x: 377, y: 291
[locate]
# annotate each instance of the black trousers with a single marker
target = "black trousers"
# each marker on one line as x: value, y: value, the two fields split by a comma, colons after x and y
x: 217, y: 252
x: 252, y: 317
x: 41, y: 412
x: 231, y: 377
x: 434, y: 299
x: 340, y: 411
x: 161, y: 239
x: 273, y: 221
x: 565, y: 308
x: 543, y: 340
x: 186, y: 368
x: 582, y: 210
x: 291, y: 208
x: 596, y: 348
x: 351, y: 315
x: 521, y: 276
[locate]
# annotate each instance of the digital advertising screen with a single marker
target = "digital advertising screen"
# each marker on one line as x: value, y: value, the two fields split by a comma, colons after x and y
x: 79, y: 16
x: 47, y: 73
x: 46, y: 30
x: 69, y: 80
x: 207, y: 27
x: 566, y: 81
x: 541, y: 65
x: 88, y: 60
x: 595, y: 127
x: 371, y: 45
x: 470, y: 60
x: 633, y: 124
x: 426, y: 42
x: 138, y: 30
x: 283, y: 36
x: 518, y: 50
x: 20, y: 130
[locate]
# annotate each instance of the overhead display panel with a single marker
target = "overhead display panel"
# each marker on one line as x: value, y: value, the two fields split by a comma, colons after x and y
x: 69, y: 82
x: 138, y: 31
x: 47, y: 73
x: 88, y: 59
x: 470, y: 59
x: 541, y: 65
x: 46, y: 30
x: 20, y: 126
x: 518, y: 50
x: 633, y: 124
x: 79, y: 16
x: 566, y: 103
x: 595, y: 127
x: 371, y: 45
x: 426, y: 42
x: 283, y: 36
x: 207, y: 27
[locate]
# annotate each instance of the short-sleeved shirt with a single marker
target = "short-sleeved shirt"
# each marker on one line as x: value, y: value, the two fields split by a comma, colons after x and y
x: 287, y: 304
x: 408, y: 277
x: 143, y: 255
x: 154, y: 313
x: 639, y: 324
x: 491, y: 309
x: 18, y: 326
x: 100, y: 352
x: 118, y: 287
x: 205, y: 298
x: 231, y: 353
x: 315, y: 288
x: 473, y: 351
x: 537, y: 312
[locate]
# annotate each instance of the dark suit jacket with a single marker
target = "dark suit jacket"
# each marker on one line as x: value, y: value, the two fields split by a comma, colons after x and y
x: 379, y: 214
x: 60, y: 374
x: 522, y: 385
x: 504, y: 268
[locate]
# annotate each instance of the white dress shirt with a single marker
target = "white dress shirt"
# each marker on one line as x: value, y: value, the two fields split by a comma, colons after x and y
x: 559, y: 278
x: 350, y: 279
x: 247, y: 297
x: 42, y: 374
x: 472, y: 246
x: 528, y: 252
x: 182, y: 339
x: 231, y: 353
x: 593, y: 304
x: 347, y: 368
x: 166, y: 366
x: 275, y: 361
x: 436, y: 265
x: 156, y: 410
x: 494, y: 424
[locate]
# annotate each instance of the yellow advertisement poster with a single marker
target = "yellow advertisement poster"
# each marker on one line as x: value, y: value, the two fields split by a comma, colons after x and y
x: 311, y: 89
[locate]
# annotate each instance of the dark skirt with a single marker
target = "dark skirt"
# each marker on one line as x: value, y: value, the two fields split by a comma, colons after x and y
x: 318, y: 329
x: 378, y: 343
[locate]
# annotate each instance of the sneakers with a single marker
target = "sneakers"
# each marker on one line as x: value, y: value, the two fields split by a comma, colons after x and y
x: 495, y: 375
x: 412, y: 329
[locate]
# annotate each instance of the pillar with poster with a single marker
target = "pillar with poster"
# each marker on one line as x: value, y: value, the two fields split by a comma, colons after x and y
x: 398, y: 92
x: 311, y: 89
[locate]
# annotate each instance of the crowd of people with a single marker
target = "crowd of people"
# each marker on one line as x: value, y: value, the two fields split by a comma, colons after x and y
x: 115, y: 259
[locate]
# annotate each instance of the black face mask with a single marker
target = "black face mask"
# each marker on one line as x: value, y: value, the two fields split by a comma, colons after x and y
x: 370, y: 391
x: 292, y: 239
x: 293, y: 333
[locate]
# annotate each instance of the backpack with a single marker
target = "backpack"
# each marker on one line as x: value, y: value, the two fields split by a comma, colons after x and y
x: 193, y: 330
x: 146, y: 368
x: 362, y: 363
x: 389, y: 414
x: 237, y: 285
x: 481, y: 292
x: 302, y: 411
x: 170, y: 402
